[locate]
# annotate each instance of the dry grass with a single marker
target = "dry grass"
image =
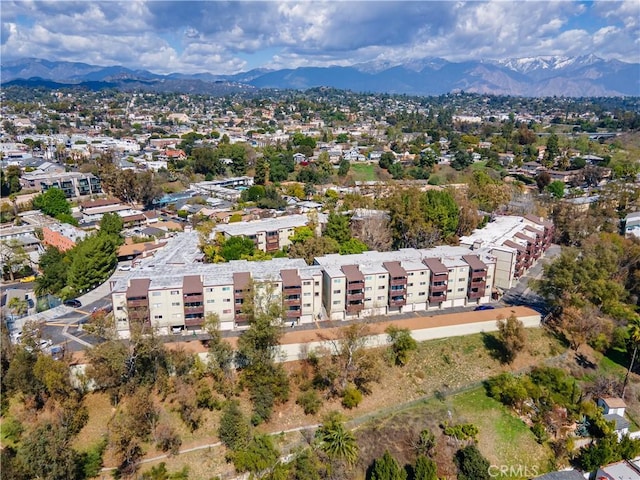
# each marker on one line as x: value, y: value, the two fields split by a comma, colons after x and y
x: 439, y: 365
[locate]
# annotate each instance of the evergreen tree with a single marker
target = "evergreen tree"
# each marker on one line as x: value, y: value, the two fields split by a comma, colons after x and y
x: 387, y: 468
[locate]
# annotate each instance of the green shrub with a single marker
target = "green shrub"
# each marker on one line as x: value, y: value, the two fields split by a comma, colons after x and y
x: 310, y: 402
x: 351, y: 397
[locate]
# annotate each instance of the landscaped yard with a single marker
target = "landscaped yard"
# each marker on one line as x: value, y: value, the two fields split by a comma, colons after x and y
x: 364, y: 172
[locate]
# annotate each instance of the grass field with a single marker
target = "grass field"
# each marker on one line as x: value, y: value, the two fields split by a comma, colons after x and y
x: 364, y: 172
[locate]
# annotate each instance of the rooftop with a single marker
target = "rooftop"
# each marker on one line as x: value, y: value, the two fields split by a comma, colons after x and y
x: 264, y: 225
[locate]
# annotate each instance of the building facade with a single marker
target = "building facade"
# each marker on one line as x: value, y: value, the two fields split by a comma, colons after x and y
x: 269, y: 234
x: 407, y: 280
x: 178, y: 298
x: 63, y: 236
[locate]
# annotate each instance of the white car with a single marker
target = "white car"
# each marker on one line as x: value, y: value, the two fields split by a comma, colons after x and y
x: 124, y: 268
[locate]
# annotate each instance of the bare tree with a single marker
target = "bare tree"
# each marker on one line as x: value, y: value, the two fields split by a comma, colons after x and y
x: 374, y: 231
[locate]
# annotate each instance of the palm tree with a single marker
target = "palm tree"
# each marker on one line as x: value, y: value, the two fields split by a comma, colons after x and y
x: 336, y: 441
x: 634, y: 337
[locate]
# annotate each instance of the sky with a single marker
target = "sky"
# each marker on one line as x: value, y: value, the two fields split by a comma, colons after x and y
x: 235, y: 36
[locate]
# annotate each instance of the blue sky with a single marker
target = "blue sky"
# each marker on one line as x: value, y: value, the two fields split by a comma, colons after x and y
x: 234, y: 36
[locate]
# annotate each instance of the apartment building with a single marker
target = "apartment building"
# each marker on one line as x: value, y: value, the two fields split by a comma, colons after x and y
x: 62, y: 236
x: 176, y: 298
x: 269, y: 234
x: 516, y: 243
x: 407, y: 280
x: 73, y: 184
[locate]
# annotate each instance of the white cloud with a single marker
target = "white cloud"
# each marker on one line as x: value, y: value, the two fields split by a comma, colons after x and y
x: 167, y: 36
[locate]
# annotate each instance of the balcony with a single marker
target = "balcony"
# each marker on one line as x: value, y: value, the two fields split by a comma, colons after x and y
x: 354, y: 307
x: 398, y: 290
x: 194, y: 322
x: 295, y: 313
x: 398, y: 281
x: 474, y: 294
x: 477, y: 283
x: 437, y: 298
x: 137, y: 302
x: 438, y: 287
x: 292, y: 290
x: 355, y: 296
x: 240, y: 294
x: 193, y: 297
x: 193, y: 310
x: 293, y: 301
x: 355, y: 285
x: 397, y: 302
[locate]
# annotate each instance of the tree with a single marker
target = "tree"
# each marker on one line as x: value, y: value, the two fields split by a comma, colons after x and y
x: 13, y: 257
x: 236, y: 247
x: 402, y: 343
x: 634, y: 341
x: 351, y: 246
x: 336, y: 441
x: 111, y: 224
x: 46, y: 452
x: 374, y: 231
x: 471, y: 464
x: 513, y: 337
x: 54, y: 265
x: 258, y: 456
x: 108, y: 366
x: 53, y: 202
x: 543, y: 179
x: 344, y: 167
x: 387, y: 468
x: 234, y: 430
x: 261, y: 176
x: 556, y: 188
x: 425, y: 469
x: 93, y: 260
x: 313, y: 247
x: 220, y: 353
x: 552, y: 150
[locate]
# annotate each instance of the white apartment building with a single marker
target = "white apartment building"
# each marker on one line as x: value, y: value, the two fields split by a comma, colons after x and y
x: 269, y: 234
x: 516, y: 243
x: 175, y: 298
x: 407, y: 280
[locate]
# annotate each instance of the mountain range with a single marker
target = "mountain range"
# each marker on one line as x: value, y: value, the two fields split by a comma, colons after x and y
x: 585, y: 76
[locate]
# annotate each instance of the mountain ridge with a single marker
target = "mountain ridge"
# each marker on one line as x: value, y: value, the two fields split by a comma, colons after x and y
x: 586, y: 75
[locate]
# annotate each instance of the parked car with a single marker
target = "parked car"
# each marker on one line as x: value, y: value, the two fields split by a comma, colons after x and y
x: 484, y: 307
x: 74, y: 302
x: 124, y: 268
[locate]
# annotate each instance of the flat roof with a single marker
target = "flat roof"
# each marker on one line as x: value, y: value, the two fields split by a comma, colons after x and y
x: 264, y: 225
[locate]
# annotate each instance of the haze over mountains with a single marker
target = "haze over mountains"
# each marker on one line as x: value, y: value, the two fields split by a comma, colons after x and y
x: 536, y: 76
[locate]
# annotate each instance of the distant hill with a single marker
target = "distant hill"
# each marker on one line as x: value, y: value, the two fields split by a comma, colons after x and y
x: 536, y: 76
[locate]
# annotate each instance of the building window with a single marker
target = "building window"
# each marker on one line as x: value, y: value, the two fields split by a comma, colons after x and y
x: 336, y: 302
x: 307, y: 294
x: 381, y: 298
x: 157, y: 317
x: 156, y: 294
x: 211, y: 300
x: 157, y: 305
x: 119, y: 308
x: 336, y: 292
x: 317, y: 284
x: 177, y: 315
x: 317, y: 294
x: 449, y: 291
x: 336, y: 280
x: 462, y: 279
x: 226, y: 311
x: 226, y: 289
x: 367, y: 289
x: 422, y: 273
x: 423, y: 283
x: 382, y: 277
x: 226, y: 300
x: 307, y: 305
x: 210, y: 290
x: 461, y: 289
x: 175, y: 292
x: 306, y: 284
x: 368, y: 277
x: 410, y: 285
x: 381, y: 287
x: 175, y: 304
x: 422, y: 294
